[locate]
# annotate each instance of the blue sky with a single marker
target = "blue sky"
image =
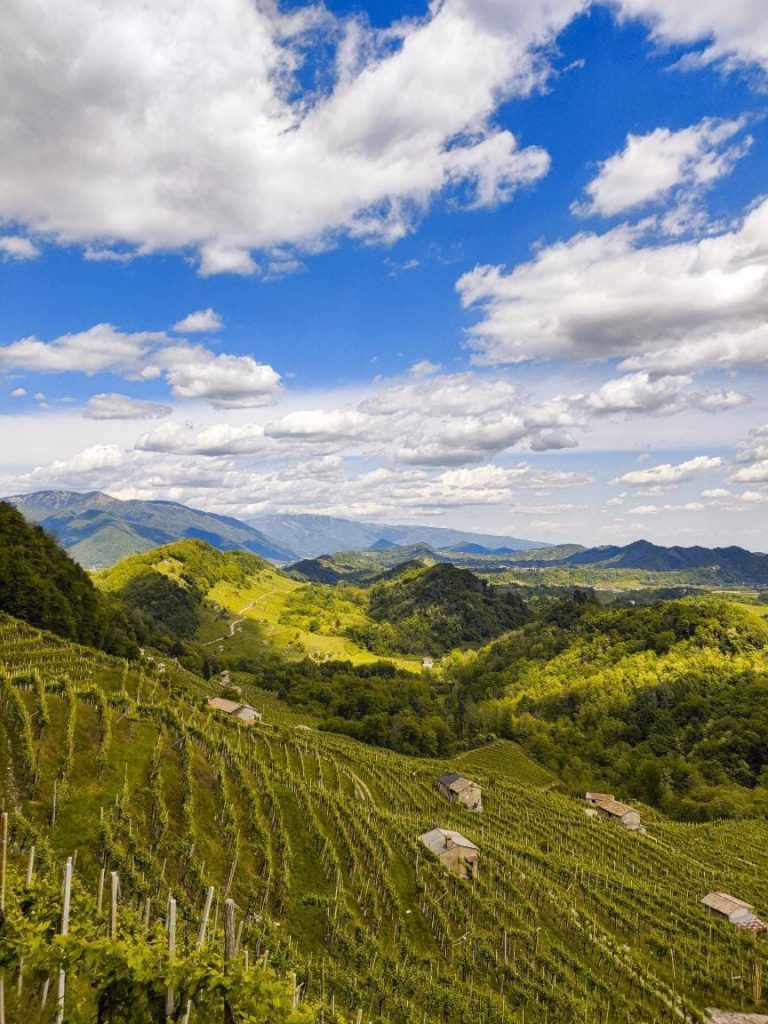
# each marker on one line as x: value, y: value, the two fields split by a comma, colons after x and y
x: 476, y: 264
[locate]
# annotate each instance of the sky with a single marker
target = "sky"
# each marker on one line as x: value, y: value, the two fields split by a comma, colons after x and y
x: 499, y: 265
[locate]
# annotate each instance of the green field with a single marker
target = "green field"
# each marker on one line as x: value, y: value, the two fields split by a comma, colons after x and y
x: 571, y: 919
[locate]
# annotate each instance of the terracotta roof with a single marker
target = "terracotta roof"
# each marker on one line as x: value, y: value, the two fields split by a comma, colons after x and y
x: 724, y: 903
x: 594, y: 797
x: 435, y: 840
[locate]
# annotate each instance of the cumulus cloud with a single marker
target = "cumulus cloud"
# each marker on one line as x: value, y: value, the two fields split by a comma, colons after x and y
x: 668, y: 308
x: 111, y: 406
x: 667, y: 474
x: 320, y: 425
x: 734, y: 34
x: 226, y: 382
x: 664, y: 164
x: 16, y: 247
x: 216, y: 439
x: 192, y: 371
x: 267, y: 160
x: 18, y: 392
x: 100, y: 348
x: 199, y: 322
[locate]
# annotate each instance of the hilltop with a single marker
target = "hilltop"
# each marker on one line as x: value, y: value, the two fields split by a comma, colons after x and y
x: 433, y: 610
x: 98, y: 530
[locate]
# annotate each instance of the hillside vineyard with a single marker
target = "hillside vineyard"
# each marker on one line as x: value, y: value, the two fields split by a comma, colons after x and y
x: 322, y: 905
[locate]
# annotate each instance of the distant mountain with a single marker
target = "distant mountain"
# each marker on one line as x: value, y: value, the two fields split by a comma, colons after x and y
x: 98, y: 530
x: 310, y: 536
x: 732, y: 565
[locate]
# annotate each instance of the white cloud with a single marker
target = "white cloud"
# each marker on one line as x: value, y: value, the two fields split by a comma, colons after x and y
x: 669, y: 308
x: 227, y: 382
x: 101, y: 348
x: 638, y: 393
x: 320, y: 425
x: 264, y: 162
x: 651, y: 167
x: 192, y: 371
x: 735, y: 34
x: 216, y: 439
x: 111, y: 406
x: 18, y: 392
x: 667, y: 474
x: 16, y: 247
x: 201, y: 321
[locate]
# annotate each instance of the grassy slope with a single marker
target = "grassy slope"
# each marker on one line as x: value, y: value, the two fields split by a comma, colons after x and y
x: 260, y: 602
x: 596, y: 923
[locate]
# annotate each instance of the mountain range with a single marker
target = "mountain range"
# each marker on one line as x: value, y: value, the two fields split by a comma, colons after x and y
x: 310, y: 535
x: 732, y: 564
x: 98, y: 530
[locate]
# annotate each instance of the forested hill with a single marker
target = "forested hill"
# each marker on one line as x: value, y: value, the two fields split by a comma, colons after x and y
x: 433, y: 610
x: 41, y: 584
x: 666, y: 704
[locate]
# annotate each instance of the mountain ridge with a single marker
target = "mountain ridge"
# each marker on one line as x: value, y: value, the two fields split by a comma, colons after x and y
x: 310, y: 536
x: 99, y: 530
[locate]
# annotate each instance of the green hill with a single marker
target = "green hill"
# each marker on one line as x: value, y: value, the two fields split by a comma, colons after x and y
x: 668, y: 703
x: 315, y: 838
x: 41, y: 584
x: 431, y: 611
x: 237, y: 605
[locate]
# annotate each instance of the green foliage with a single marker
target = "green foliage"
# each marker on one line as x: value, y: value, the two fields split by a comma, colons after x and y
x: 435, y: 610
x: 667, y: 703
x: 41, y: 584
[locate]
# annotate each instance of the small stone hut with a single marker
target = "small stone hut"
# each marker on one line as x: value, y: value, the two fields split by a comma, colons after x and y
x: 608, y: 807
x: 735, y: 910
x: 459, y: 790
x: 457, y: 853
x: 243, y: 712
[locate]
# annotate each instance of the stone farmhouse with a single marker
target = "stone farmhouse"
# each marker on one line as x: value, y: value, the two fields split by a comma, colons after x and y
x: 243, y: 712
x: 459, y: 790
x: 457, y: 853
x: 608, y: 807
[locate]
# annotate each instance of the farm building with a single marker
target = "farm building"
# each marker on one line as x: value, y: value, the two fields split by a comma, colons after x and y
x: 455, y: 852
x: 243, y: 712
x: 735, y: 910
x: 459, y: 790
x: 427, y: 664
x: 608, y: 807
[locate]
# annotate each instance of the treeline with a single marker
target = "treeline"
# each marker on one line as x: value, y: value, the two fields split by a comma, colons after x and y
x: 41, y: 584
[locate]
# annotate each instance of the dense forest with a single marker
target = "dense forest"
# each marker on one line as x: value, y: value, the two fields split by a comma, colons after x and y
x: 667, y: 703
x: 435, y: 610
x: 41, y: 584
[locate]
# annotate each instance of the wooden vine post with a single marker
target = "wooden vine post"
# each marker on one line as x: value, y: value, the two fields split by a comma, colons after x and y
x: 3, y: 875
x: 114, y: 889
x: 64, y: 931
x: 169, y: 995
x: 229, y: 951
x: 201, y: 939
